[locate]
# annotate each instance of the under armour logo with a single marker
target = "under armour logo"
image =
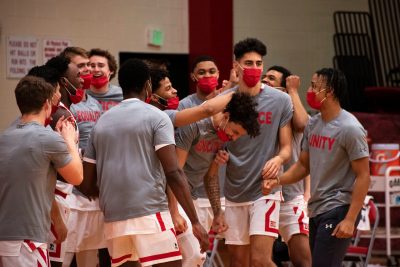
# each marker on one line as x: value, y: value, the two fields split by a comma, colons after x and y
x: 328, y: 226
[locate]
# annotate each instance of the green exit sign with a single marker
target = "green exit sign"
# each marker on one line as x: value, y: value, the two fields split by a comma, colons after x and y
x: 155, y: 37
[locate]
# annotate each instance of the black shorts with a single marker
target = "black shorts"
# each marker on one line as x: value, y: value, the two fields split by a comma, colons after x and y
x: 328, y: 250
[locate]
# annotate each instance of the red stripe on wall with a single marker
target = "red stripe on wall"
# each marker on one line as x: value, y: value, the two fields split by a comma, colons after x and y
x: 211, y: 33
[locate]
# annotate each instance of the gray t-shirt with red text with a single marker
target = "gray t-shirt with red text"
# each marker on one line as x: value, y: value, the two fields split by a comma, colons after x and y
x: 332, y: 146
x: 201, y: 143
x: 109, y: 99
x: 247, y: 156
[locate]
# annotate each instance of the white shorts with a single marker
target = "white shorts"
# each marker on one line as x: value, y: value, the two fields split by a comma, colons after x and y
x: 293, y: 218
x: 149, y: 239
x: 85, y: 231
x: 260, y: 217
x: 57, y: 251
x: 204, y: 211
x: 23, y: 254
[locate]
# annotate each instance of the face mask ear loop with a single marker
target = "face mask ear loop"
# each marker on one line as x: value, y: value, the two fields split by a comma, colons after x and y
x: 162, y: 98
x: 219, y: 126
x: 70, y: 85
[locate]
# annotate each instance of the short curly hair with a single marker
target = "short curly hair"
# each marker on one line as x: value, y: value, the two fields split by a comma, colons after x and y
x: 132, y: 76
x: 157, y: 75
x: 60, y: 63
x: 242, y: 110
x: 202, y: 58
x: 112, y: 62
x: 49, y: 74
x: 249, y: 45
x: 285, y: 73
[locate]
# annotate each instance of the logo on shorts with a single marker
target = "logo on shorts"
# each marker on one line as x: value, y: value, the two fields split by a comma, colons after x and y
x: 328, y: 226
x: 52, y: 247
x: 272, y: 224
x: 176, y: 246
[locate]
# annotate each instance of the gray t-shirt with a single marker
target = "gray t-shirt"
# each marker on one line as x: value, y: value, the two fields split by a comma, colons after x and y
x: 111, y: 98
x: 247, y: 156
x: 292, y: 191
x: 29, y: 157
x: 192, y: 101
x: 202, y: 143
x: 129, y: 174
x: 331, y: 147
x: 86, y: 114
x: 189, y: 101
x: 171, y: 113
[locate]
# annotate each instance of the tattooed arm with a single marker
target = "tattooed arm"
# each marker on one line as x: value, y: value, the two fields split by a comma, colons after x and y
x: 211, y: 184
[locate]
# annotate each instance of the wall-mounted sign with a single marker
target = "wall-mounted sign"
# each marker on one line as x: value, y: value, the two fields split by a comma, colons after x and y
x: 22, y: 55
x: 155, y: 37
x: 53, y: 47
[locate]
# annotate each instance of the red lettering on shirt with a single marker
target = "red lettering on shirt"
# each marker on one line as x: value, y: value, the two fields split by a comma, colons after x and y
x: 322, y: 142
x: 265, y: 117
x: 106, y: 105
x: 87, y: 116
x: 208, y: 146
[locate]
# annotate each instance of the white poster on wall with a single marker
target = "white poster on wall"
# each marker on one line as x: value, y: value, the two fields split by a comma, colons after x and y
x: 22, y: 55
x: 53, y: 47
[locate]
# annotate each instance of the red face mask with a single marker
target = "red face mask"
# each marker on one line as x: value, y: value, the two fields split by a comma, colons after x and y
x: 87, y: 80
x: 223, y: 136
x: 312, y: 101
x: 173, y: 103
x: 221, y: 133
x: 75, y: 99
x: 207, y: 84
x: 251, y: 76
x: 99, y: 82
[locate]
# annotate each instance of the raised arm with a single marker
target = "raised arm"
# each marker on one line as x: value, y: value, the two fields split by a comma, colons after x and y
x: 300, y: 116
x: 205, y: 110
